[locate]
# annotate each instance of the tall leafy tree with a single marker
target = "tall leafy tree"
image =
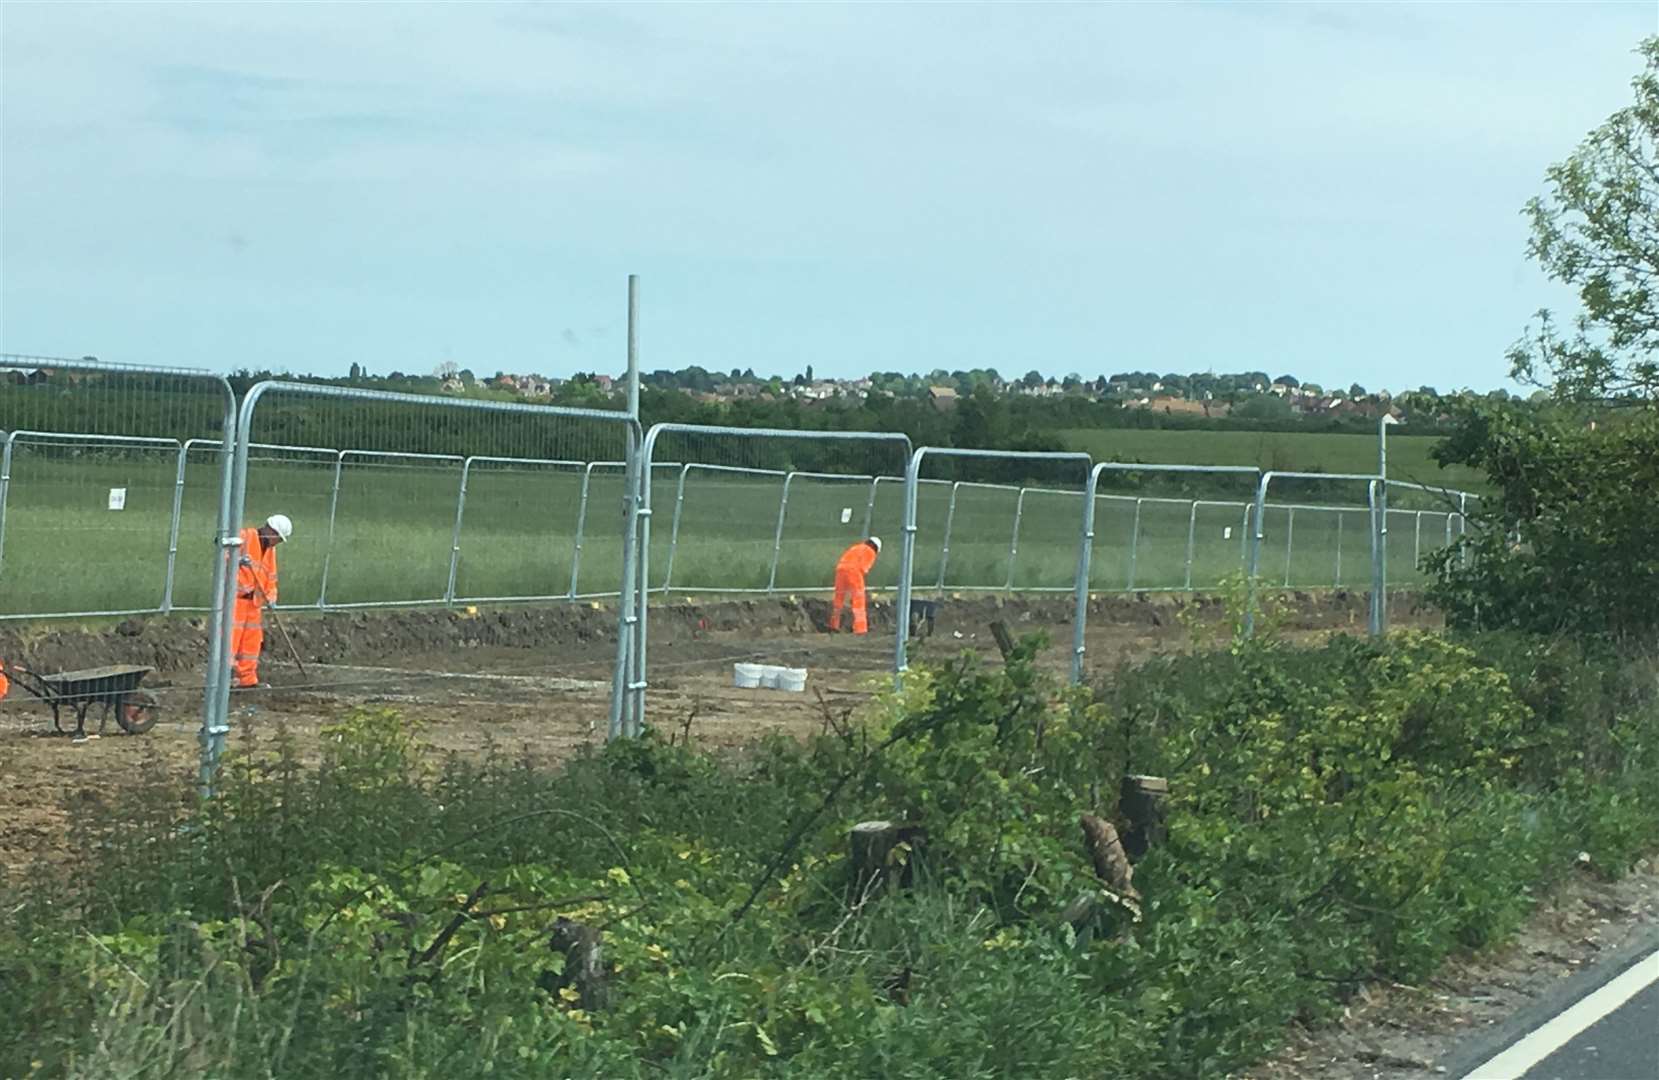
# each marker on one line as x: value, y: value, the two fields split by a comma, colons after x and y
x: 1597, y: 230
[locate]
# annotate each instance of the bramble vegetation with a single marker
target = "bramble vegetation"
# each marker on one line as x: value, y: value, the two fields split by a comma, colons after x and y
x: 1337, y: 815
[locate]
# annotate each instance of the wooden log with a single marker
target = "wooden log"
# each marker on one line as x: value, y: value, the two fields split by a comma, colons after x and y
x: 883, y: 856
x: 1143, y: 802
x: 1111, y: 864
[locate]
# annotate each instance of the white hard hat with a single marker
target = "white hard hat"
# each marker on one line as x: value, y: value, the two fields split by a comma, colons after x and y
x: 875, y: 542
x: 280, y: 524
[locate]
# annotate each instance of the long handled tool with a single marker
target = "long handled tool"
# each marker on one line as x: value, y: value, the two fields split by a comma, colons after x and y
x: 293, y: 653
x: 286, y: 640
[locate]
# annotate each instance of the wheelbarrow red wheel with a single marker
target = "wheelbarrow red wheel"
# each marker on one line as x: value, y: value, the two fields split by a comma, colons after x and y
x: 137, y: 711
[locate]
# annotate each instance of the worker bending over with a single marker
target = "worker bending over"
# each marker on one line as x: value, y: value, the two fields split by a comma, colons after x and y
x: 256, y: 587
x: 850, y: 569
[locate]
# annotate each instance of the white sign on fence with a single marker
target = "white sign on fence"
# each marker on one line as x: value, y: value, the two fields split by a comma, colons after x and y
x: 846, y: 514
x: 1227, y: 532
x: 117, y: 498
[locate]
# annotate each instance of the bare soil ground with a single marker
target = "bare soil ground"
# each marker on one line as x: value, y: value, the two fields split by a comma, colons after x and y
x: 536, y: 681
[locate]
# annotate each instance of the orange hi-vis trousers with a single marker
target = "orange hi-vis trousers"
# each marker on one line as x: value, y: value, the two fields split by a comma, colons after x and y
x: 850, y: 569
x: 256, y: 586
x: 849, y: 592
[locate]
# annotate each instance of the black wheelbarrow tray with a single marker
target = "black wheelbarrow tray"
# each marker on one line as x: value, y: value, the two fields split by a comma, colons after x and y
x: 115, y: 687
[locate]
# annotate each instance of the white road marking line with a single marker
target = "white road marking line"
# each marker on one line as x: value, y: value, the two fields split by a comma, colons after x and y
x: 1560, y: 1029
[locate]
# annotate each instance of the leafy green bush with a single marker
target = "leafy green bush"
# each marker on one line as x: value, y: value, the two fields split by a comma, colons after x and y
x: 1338, y: 814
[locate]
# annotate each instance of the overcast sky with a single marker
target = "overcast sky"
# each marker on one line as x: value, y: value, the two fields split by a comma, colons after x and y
x: 1331, y: 191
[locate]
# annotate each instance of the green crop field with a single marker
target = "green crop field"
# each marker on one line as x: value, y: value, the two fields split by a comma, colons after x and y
x: 1408, y: 455
x: 394, y: 533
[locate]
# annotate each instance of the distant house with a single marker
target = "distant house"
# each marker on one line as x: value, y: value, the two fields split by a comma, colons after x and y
x: 943, y: 397
x: 603, y: 382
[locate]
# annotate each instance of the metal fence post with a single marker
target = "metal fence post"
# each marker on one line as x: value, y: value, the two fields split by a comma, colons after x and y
x: 673, y: 532
x: 1014, y: 541
x: 581, y: 524
x: 870, y: 508
x: 1290, y: 534
x: 1134, y: 545
x: 1085, y: 567
x: 1417, y: 540
x: 1338, y: 582
x: 1192, y: 540
x: 173, y: 531
x: 1244, y: 536
x: 777, y: 537
x: 944, y: 550
x: 5, y: 489
x: 328, y: 549
x: 1376, y: 562
x: 622, y: 715
x: 455, y: 537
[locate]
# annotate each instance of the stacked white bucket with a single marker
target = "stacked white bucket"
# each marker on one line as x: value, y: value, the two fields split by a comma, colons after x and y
x: 769, y: 677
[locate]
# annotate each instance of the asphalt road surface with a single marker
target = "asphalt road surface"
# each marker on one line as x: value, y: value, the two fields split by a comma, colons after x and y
x: 1610, y: 1032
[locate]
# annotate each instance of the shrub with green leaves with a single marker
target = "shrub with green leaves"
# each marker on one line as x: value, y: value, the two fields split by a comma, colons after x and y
x: 1338, y: 814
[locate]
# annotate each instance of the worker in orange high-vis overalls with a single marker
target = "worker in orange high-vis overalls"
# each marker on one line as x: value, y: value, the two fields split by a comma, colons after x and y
x: 5, y: 684
x: 850, y: 569
x: 256, y: 586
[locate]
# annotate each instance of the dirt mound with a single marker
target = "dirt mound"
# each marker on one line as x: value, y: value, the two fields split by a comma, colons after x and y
x: 177, y: 643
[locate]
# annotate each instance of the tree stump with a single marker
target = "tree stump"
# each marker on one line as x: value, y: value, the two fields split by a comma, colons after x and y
x: 584, y: 969
x: 1005, y: 642
x: 883, y: 856
x: 1143, y: 801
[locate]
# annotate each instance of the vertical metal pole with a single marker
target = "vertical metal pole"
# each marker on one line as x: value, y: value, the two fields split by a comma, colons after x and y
x: 627, y: 615
x: 1339, y: 549
x: 1417, y: 540
x: 638, y: 682
x: 1376, y: 535
x: 944, y: 550
x: 777, y: 537
x: 333, y: 505
x: 581, y: 524
x: 173, y: 533
x: 455, y: 537
x: 5, y: 489
x: 907, y: 566
x: 1192, y: 539
x: 1014, y: 541
x: 1255, y: 554
x: 870, y: 508
x: 1244, y: 536
x: 1085, y: 564
x: 1381, y: 570
x: 1134, y: 544
x: 633, y: 347
x: 233, y: 489
x: 673, y: 532
x: 1290, y: 534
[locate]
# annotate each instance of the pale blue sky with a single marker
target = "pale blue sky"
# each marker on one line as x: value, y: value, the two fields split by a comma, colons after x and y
x: 1332, y: 191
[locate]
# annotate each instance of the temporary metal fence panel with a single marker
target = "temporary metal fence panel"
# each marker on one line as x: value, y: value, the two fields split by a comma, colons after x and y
x: 815, y: 514
x: 94, y: 401
x: 1007, y: 458
x: 396, y: 528
x: 511, y: 507
x: 1146, y: 536
x: 980, y: 545
x: 728, y: 501
x: 1280, y: 521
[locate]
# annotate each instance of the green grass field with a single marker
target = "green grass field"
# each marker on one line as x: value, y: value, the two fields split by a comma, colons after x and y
x: 394, y: 530
x: 1408, y: 455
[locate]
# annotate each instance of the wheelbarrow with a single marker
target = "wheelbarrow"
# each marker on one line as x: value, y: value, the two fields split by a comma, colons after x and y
x: 116, y: 687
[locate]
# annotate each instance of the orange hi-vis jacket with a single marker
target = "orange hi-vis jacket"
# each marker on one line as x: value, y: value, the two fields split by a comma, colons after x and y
x: 257, y: 572
x: 256, y: 586
x: 857, y: 559
x: 850, y: 569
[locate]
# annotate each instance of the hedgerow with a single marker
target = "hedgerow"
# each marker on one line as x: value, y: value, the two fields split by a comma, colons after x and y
x: 1337, y: 815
